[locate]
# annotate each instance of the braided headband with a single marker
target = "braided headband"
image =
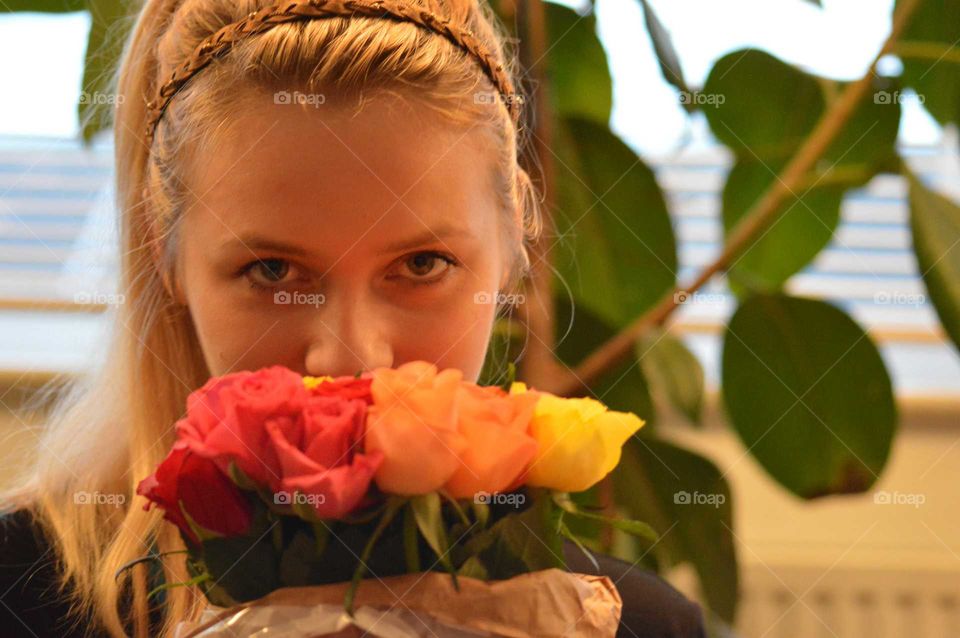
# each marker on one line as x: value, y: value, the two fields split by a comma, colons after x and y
x: 293, y: 10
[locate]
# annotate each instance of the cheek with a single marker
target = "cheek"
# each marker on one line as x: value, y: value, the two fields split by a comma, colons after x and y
x: 237, y: 329
x: 467, y: 353
x: 250, y: 340
x: 454, y: 336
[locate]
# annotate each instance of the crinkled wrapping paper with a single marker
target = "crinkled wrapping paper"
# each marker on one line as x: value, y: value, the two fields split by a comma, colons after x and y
x: 546, y: 603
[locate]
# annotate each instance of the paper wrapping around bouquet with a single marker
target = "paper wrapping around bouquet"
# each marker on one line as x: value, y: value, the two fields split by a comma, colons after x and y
x: 551, y: 602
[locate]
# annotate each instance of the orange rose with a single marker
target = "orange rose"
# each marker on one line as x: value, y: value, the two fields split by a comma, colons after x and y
x: 498, y: 448
x: 413, y: 422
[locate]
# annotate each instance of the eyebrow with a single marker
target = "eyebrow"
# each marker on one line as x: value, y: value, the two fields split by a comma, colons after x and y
x: 428, y: 236
x: 255, y: 242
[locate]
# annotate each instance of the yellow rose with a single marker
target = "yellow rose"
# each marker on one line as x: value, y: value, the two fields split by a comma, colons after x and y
x: 579, y: 440
x: 311, y: 382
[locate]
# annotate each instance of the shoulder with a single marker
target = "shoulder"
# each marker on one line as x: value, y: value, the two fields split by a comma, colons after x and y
x: 652, y: 608
x: 30, y: 604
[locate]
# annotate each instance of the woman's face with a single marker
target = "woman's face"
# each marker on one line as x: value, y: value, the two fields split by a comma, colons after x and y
x: 332, y: 242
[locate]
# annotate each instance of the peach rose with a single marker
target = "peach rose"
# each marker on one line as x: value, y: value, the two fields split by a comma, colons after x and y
x: 494, y: 424
x: 413, y: 422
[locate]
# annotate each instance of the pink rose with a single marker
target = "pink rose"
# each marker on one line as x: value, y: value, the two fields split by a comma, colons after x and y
x: 320, y: 454
x: 225, y: 419
x: 284, y: 437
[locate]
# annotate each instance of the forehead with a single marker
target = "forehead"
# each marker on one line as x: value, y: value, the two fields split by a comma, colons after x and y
x: 339, y: 173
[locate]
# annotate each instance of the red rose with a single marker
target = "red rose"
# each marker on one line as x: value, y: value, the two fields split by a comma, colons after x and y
x: 210, y: 498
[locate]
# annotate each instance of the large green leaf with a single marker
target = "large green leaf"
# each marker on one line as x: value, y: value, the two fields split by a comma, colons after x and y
x: 935, y: 222
x: 686, y: 499
x: 761, y: 105
x: 673, y: 371
x: 520, y: 542
x: 616, y: 248
x: 578, y: 333
x: 803, y: 227
x: 667, y: 56
x: 768, y: 107
x: 808, y: 393
x: 580, y: 83
x: 868, y: 140
x: 110, y: 24
x: 928, y: 67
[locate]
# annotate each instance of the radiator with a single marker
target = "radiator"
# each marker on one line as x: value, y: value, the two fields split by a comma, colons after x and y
x: 803, y: 602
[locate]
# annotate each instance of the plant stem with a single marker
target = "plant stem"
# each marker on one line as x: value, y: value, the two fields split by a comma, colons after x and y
x: 196, y: 580
x: 540, y: 366
x: 388, y: 515
x: 932, y: 51
x: 761, y: 215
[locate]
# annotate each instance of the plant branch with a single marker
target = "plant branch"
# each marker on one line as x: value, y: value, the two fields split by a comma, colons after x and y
x: 932, y: 51
x: 540, y: 366
x: 761, y: 215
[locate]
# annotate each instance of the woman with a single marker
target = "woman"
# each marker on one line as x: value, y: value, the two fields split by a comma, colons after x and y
x: 332, y: 193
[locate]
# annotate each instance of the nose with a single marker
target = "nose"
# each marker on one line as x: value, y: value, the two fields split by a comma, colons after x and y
x: 346, y: 337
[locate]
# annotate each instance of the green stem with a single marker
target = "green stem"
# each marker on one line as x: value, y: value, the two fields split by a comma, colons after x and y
x: 457, y: 508
x: 392, y: 508
x: 144, y: 559
x: 411, y: 536
x: 196, y: 580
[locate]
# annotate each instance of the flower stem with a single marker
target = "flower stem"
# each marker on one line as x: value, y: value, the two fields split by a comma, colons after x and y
x: 393, y: 507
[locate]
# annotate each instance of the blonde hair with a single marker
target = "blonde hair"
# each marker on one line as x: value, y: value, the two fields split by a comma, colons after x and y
x: 113, y: 425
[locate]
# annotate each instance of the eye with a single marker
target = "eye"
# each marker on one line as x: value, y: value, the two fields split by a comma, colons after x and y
x: 266, y: 273
x: 426, y: 267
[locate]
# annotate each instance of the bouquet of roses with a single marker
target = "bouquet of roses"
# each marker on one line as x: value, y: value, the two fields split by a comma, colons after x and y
x: 289, y: 490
